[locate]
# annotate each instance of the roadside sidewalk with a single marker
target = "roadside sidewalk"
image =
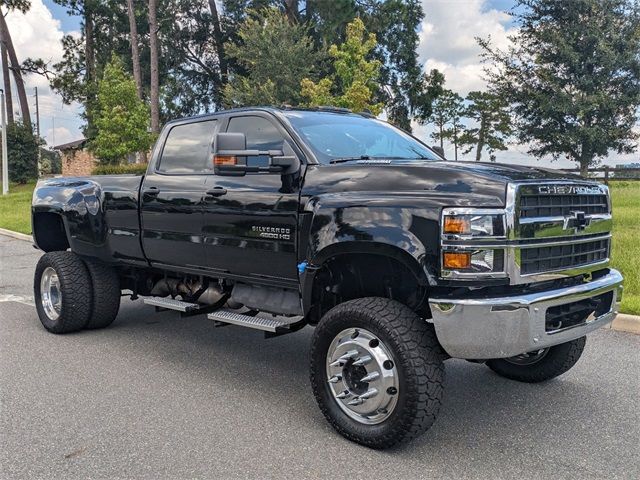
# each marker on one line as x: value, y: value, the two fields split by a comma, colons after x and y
x: 622, y: 323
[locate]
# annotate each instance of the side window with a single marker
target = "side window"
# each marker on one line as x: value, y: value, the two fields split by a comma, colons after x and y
x: 188, y: 148
x: 261, y: 134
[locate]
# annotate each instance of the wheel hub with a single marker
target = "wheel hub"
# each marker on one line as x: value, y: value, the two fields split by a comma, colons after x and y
x: 50, y: 294
x: 362, y: 376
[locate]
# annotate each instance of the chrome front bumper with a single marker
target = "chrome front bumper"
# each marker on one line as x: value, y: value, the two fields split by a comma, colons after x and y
x: 483, y: 328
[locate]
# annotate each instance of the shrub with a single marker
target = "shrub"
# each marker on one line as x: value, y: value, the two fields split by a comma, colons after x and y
x: 22, y: 153
x: 127, y: 168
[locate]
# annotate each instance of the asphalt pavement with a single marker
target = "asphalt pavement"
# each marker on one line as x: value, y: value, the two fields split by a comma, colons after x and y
x: 162, y: 397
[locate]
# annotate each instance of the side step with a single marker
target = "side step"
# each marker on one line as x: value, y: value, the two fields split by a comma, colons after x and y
x: 172, y: 304
x: 272, y: 326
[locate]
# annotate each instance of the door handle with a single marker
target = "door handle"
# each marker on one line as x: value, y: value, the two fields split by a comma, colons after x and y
x: 216, y: 192
x: 151, y: 191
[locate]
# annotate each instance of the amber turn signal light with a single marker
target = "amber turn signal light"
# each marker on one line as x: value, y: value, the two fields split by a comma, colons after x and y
x: 225, y: 160
x: 456, y: 260
x: 459, y: 225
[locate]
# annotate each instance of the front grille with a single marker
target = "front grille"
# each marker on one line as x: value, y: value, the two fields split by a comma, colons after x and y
x: 560, y: 257
x: 535, y: 205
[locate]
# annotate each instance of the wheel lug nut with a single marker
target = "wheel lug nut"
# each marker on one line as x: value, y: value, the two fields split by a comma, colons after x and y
x: 392, y: 390
x: 343, y: 394
x: 362, y: 360
x: 370, y: 377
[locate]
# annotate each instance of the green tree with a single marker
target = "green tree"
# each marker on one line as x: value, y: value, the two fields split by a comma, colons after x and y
x: 492, y: 124
x: 445, y: 113
x: 276, y: 56
x: 394, y: 22
x: 427, y: 91
x: 448, y: 110
x: 122, y: 119
x: 572, y: 76
x: 22, y: 153
x: 355, y: 79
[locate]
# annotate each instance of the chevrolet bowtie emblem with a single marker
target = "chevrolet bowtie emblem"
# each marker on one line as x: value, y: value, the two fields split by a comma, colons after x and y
x: 576, y: 220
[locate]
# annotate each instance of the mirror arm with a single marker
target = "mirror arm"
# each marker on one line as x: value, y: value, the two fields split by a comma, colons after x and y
x: 249, y: 153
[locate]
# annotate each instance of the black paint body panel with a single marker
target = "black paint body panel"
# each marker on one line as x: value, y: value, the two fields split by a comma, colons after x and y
x: 266, y: 224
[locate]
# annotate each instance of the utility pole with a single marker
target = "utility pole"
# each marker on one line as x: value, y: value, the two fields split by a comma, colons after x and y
x: 38, y: 134
x: 5, y: 160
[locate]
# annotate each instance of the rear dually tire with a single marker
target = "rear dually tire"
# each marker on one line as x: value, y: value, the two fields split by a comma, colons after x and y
x: 105, y: 288
x: 62, y: 292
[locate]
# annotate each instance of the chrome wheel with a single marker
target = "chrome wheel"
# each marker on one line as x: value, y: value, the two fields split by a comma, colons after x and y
x: 362, y: 375
x: 528, y: 358
x: 50, y: 294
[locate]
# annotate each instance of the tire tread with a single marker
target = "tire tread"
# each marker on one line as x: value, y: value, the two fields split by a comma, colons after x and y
x: 106, y: 294
x: 76, y: 302
x: 560, y: 359
x: 420, y: 353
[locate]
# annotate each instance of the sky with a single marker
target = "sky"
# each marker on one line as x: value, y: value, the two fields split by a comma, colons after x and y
x: 447, y: 42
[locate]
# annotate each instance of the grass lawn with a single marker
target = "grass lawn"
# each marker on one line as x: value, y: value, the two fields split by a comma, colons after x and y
x: 15, y: 208
x: 626, y: 240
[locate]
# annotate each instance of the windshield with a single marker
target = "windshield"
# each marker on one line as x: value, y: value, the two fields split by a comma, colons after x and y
x: 334, y: 137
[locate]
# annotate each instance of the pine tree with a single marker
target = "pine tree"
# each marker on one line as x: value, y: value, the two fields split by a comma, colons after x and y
x: 276, y: 57
x: 492, y: 124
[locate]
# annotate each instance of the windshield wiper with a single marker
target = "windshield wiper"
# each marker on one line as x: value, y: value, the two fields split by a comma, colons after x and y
x: 368, y: 157
x: 350, y: 159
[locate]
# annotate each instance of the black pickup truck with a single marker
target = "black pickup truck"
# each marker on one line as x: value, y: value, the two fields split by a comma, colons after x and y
x: 278, y: 218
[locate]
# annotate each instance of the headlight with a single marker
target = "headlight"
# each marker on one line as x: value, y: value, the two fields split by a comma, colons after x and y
x: 472, y: 225
x: 474, y: 261
x: 471, y: 242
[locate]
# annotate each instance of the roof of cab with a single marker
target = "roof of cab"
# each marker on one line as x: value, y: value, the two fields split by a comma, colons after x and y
x: 272, y: 109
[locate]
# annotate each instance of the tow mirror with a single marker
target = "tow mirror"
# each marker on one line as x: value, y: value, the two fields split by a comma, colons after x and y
x: 230, y: 157
x: 439, y: 150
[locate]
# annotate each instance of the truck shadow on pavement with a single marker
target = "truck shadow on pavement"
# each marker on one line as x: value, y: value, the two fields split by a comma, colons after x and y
x: 478, y: 407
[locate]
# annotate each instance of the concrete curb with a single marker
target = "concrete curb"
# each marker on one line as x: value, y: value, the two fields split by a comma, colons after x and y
x: 622, y: 323
x: 19, y: 236
x: 627, y: 323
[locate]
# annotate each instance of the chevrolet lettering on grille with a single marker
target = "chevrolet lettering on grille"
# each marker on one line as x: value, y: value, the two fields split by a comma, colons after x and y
x: 569, y: 190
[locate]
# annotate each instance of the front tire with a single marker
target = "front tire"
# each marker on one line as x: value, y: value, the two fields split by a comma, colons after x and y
x: 377, y: 371
x: 60, y: 287
x: 542, y: 365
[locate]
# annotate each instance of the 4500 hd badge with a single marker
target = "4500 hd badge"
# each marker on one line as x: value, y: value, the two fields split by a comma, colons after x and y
x: 274, y: 233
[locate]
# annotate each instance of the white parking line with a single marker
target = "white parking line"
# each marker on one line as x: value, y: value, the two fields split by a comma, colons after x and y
x: 25, y: 299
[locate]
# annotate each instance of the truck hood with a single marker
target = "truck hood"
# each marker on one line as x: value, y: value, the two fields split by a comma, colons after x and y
x: 473, y: 182
x: 508, y: 172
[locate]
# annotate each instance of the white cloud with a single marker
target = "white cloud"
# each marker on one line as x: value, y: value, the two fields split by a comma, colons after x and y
x: 448, y: 39
x: 60, y: 135
x: 37, y: 34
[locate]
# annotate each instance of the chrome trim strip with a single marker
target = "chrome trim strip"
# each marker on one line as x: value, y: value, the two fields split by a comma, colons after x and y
x: 560, y: 219
x: 478, y: 246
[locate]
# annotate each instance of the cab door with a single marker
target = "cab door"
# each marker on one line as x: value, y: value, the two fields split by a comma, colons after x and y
x: 250, y: 221
x: 172, y: 197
